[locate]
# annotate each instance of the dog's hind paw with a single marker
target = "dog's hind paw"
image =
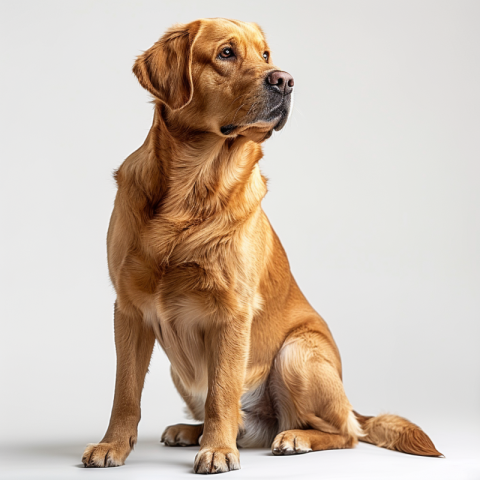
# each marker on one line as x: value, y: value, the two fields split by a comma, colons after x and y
x: 291, y: 442
x: 182, y: 435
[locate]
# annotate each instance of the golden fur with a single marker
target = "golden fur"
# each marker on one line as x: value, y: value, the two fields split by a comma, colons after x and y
x: 197, y: 266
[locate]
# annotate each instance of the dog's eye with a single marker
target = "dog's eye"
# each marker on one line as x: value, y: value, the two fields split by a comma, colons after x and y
x: 266, y: 56
x: 227, y: 53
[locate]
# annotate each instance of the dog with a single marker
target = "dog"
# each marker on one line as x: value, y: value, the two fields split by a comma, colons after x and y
x: 197, y: 266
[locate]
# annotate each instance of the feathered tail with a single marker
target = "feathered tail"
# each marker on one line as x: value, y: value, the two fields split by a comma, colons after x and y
x: 396, y: 433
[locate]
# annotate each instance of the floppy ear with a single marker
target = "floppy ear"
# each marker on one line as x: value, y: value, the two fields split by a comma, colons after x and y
x: 165, y: 69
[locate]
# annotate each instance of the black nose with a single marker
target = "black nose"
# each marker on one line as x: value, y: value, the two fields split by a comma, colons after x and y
x: 282, y: 81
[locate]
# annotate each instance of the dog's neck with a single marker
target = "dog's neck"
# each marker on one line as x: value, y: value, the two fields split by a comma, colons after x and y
x: 207, y: 173
x: 188, y: 176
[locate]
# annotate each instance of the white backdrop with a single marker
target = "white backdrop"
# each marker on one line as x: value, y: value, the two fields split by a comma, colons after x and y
x: 374, y: 192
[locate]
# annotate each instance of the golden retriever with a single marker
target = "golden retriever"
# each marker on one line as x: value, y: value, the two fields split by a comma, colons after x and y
x: 197, y: 266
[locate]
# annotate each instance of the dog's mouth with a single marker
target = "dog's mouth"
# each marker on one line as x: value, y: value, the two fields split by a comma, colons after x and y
x: 283, y: 117
x: 228, y: 129
x: 268, y: 119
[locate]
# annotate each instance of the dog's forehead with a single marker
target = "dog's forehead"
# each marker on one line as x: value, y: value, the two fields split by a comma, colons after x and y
x: 218, y: 30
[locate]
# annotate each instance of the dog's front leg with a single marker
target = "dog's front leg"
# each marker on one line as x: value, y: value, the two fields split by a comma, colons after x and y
x: 227, y: 349
x: 134, y: 344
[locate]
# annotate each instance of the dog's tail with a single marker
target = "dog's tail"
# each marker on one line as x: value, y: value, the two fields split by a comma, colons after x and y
x: 396, y: 433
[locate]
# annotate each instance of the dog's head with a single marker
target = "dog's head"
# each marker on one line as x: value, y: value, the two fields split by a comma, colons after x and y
x: 217, y: 75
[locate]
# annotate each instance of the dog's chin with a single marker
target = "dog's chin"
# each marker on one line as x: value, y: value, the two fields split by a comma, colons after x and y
x: 257, y: 133
x: 260, y: 130
x: 276, y: 120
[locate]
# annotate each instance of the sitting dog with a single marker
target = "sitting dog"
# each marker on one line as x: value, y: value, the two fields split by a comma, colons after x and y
x: 197, y: 266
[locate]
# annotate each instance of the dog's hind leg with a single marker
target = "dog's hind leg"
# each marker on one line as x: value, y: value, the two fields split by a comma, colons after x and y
x: 312, y: 408
x: 182, y: 434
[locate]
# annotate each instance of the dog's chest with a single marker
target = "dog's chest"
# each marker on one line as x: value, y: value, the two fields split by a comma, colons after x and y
x: 180, y: 333
x: 203, y: 282
x: 188, y: 300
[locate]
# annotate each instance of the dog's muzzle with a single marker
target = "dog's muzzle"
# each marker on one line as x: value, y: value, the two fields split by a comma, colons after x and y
x: 277, y: 94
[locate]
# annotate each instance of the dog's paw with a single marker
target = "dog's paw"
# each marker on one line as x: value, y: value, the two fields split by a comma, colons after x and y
x: 216, y: 460
x: 291, y: 443
x: 105, y: 455
x: 182, y: 435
